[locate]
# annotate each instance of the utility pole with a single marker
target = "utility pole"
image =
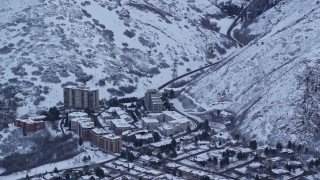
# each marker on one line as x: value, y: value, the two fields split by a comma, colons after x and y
x: 174, y: 71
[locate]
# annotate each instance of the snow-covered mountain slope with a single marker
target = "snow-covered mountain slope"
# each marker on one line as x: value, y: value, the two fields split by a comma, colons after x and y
x: 272, y: 84
x: 121, y: 47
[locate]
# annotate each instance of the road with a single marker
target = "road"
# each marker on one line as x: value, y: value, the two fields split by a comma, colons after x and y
x: 61, y: 125
x: 191, y: 118
x: 234, y: 23
x: 184, y: 75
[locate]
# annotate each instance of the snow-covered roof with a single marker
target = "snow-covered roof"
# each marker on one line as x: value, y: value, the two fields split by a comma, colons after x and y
x: 78, y: 114
x: 87, y: 125
x: 172, y: 165
x: 289, y: 151
x: 255, y: 165
x: 149, y: 120
x: 111, y: 136
x: 145, y: 157
x: 81, y: 119
x: 166, y: 126
x: 98, y: 131
x: 144, y: 136
x: 38, y: 117
x: 173, y: 114
x: 153, y: 172
x: 162, y: 143
x: 120, y: 123
x: 182, y: 120
x: 81, y: 88
x: 225, y: 113
x: 294, y: 163
x: 279, y: 171
x: 28, y: 121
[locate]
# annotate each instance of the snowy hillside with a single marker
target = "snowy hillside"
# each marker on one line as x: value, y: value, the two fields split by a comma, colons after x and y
x: 272, y: 84
x: 121, y: 47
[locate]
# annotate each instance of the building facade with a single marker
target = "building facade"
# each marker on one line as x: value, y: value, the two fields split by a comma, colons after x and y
x: 80, y: 97
x: 96, y: 137
x: 150, y: 123
x: 111, y: 143
x: 85, y: 130
x: 152, y: 101
x: 29, y: 125
x: 119, y: 125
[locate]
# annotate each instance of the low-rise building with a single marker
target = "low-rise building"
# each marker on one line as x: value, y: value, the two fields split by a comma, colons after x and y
x: 144, y: 138
x: 150, y: 123
x: 74, y: 123
x: 119, y: 125
x: 29, y: 125
x: 111, y: 143
x: 166, y: 129
x: 180, y: 124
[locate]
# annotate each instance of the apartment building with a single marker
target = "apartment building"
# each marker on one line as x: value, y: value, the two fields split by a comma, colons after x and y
x: 96, y: 137
x: 152, y: 101
x: 111, y: 143
x: 119, y: 125
x: 80, y: 97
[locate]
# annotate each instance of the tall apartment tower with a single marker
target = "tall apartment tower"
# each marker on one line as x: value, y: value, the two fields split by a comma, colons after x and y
x: 153, y: 101
x: 81, y: 97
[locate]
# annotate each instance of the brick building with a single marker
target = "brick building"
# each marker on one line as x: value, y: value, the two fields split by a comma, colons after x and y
x: 29, y: 125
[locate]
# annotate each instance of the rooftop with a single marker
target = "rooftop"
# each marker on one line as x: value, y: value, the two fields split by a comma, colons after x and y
x: 144, y: 136
x: 87, y: 125
x: 150, y: 120
x: 38, y: 117
x: 28, y: 121
x: 81, y: 88
x: 78, y: 114
x: 81, y: 119
x: 98, y: 131
x: 111, y: 136
x: 120, y: 123
x: 173, y: 114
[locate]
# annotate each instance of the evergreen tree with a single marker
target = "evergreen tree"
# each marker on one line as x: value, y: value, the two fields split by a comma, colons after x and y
x: 67, y: 175
x: 171, y: 93
x: 159, y: 155
x: 279, y: 146
x: 130, y: 156
x: 180, y: 173
x: 266, y: 151
x: 156, y: 136
x: 253, y: 144
x: 205, y: 178
x: 257, y: 177
x: 55, y: 170
x: 173, y: 143
x: 215, y: 161
x: 27, y: 177
x: 289, y: 145
x: 99, y: 172
x: 80, y: 141
x: 189, y: 130
x: 174, y: 171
